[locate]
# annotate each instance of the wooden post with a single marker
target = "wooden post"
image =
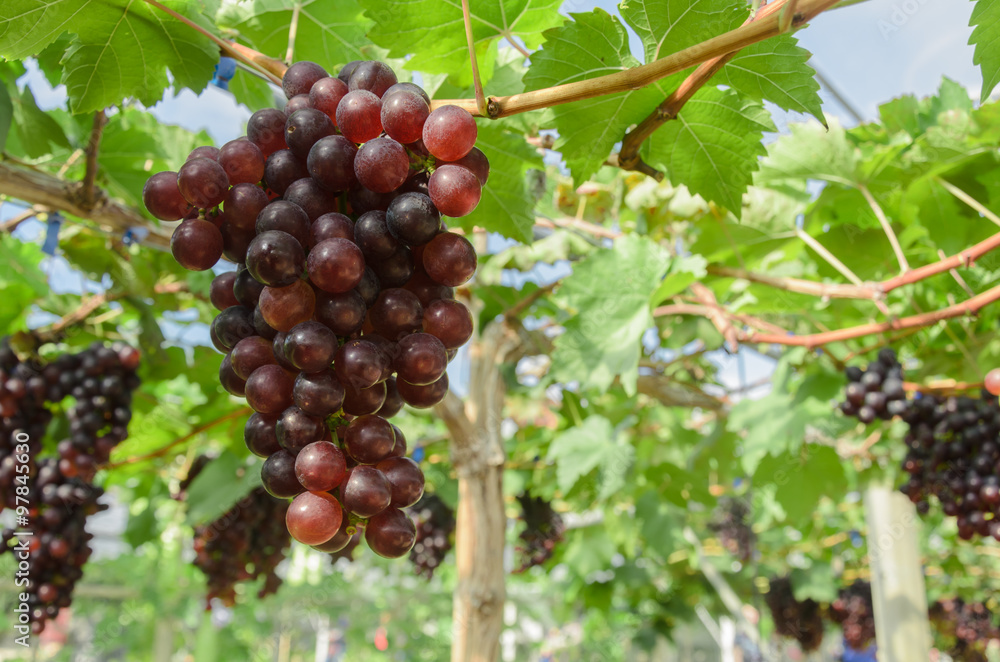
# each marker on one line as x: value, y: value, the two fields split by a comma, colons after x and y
x: 480, y: 522
x: 898, y: 593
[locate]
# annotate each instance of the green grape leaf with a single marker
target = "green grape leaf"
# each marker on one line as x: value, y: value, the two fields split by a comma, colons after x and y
x: 802, y: 479
x: 21, y: 280
x: 608, y: 294
x: 810, y: 152
x: 986, y: 38
x: 253, y: 92
x: 433, y: 32
x: 33, y: 133
x: 593, y: 44
x: 669, y: 26
x: 775, y: 70
x: 6, y: 115
x: 683, y: 272
x: 507, y: 204
x: 713, y: 146
x: 328, y: 33
x: 592, y: 444
x: 108, y: 34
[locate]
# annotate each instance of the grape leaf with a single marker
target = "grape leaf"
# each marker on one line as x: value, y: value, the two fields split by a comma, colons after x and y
x: 222, y: 483
x: 802, y: 479
x: 434, y: 33
x: 328, y: 33
x: 32, y: 132
x: 810, y: 152
x: 253, y: 92
x: 592, y: 444
x: 608, y: 293
x: 122, y: 48
x: 713, y: 147
x: 507, y: 206
x: 986, y: 38
x: 6, y: 115
x: 668, y: 26
x: 593, y: 44
x: 775, y: 70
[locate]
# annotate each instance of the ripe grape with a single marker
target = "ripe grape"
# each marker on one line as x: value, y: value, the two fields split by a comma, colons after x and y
x: 285, y: 216
x: 229, y: 380
x: 320, y: 393
x: 205, y: 151
x: 455, y: 190
x: 421, y: 359
x: 196, y: 244
x: 390, y: 533
x: 345, y: 74
x: 342, y: 313
x: 277, y: 475
x: 406, y: 87
x: 449, y: 133
x: 282, y: 169
x: 336, y: 265
x: 376, y: 77
x: 366, y: 492
x: 163, y: 198
x: 275, y: 258
x: 476, y: 162
x: 320, y: 466
x: 221, y: 291
x: 284, y: 307
x: 360, y: 364
x: 371, y: 234
x: 406, y: 480
x: 310, y: 346
x: 266, y: 129
x: 397, y: 269
x: 369, y: 287
x: 304, y: 127
x: 242, y: 161
x: 397, y: 312
x: 326, y: 94
x: 369, y: 439
x: 426, y: 290
x: 341, y: 538
x: 313, y: 198
x: 203, y: 183
x: 332, y: 226
x: 296, y: 429
x: 993, y: 381
x: 331, y: 163
x: 269, y: 390
x: 358, y: 402
x: 359, y: 116
x: 449, y: 259
x: 231, y: 326
x: 391, y: 406
x: 403, y: 115
x: 382, y: 165
x: 247, y: 289
x: 300, y: 77
x: 260, y: 435
x: 243, y: 203
x: 298, y: 102
x: 423, y: 397
x: 313, y: 517
x: 413, y: 219
x: 449, y: 321
x: 249, y: 354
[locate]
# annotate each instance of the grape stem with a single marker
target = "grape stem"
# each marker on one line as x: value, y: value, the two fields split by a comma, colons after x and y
x: 886, y: 227
x: 293, y: 28
x: 476, y: 81
x: 88, y: 191
x: 628, y: 156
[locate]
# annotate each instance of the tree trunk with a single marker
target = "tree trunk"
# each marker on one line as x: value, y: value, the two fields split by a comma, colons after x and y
x: 478, y: 457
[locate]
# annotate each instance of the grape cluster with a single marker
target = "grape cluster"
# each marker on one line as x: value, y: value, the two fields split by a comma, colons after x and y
x: 435, y: 526
x: 342, y: 307
x: 543, y: 528
x: 732, y: 524
x: 801, y: 621
x: 58, y: 490
x: 968, y: 627
x: 247, y: 542
x: 854, y: 611
x: 954, y: 455
x: 877, y: 391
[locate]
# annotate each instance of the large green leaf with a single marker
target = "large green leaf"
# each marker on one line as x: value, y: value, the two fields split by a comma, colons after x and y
x: 810, y: 152
x: 609, y: 295
x: 434, y: 33
x: 802, y: 479
x: 328, y: 33
x: 6, y: 115
x: 122, y: 48
x: 222, y: 483
x: 668, y: 26
x: 593, y: 44
x: 592, y: 444
x: 21, y: 280
x: 986, y: 38
x: 775, y: 70
x: 507, y: 205
x: 713, y: 146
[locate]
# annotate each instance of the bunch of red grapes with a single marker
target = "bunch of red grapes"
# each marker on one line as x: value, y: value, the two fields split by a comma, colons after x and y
x: 854, y: 611
x: 877, y: 391
x: 57, y: 494
x: 969, y: 627
x: 732, y: 524
x: 798, y: 620
x: 543, y: 529
x: 342, y: 308
x: 435, y: 527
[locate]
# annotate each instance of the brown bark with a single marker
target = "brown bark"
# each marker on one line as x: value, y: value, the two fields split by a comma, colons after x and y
x: 39, y: 188
x: 480, y: 534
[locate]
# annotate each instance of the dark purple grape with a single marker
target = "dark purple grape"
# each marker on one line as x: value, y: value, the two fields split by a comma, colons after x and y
x: 282, y: 169
x: 319, y: 394
x: 285, y: 216
x: 300, y: 77
x: 276, y: 258
x: 413, y: 219
x: 304, y: 127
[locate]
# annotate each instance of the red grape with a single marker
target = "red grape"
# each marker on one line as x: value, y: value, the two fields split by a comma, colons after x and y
x: 276, y: 258
x: 269, y: 389
x: 319, y: 393
x: 326, y: 94
x: 243, y: 203
x: 421, y: 359
x: 285, y: 216
x: 454, y: 190
x: 450, y: 259
x: 373, y: 76
x: 203, y: 183
x: 313, y: 517
x: 450, y: 321
x: 406, y: 479
x: 196, y: 244
x: 278, y: 475
x: 260, y: 436
x: 449, y: 133
x: 369, y: 439
x: 993, y: 381
x: 310, y: 346
x: 336, y: 265
x: 320, y: 466
x: 359, y: 116
x: 163, y: 198
x: 391, y: 533
x: 304, y: 127
x: 366, y: 491
x: 266, y: 129
x: 243, y: 162
x: 249, y: 354
x: 284, y: 307
x: 282, y: 169
x: 413, y: 219
x: 397, y: 312
x: 403, y: 115
x: 300, y: 77
x: 221, y: 291
x: 331, y: 163
x: 423, y: 397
